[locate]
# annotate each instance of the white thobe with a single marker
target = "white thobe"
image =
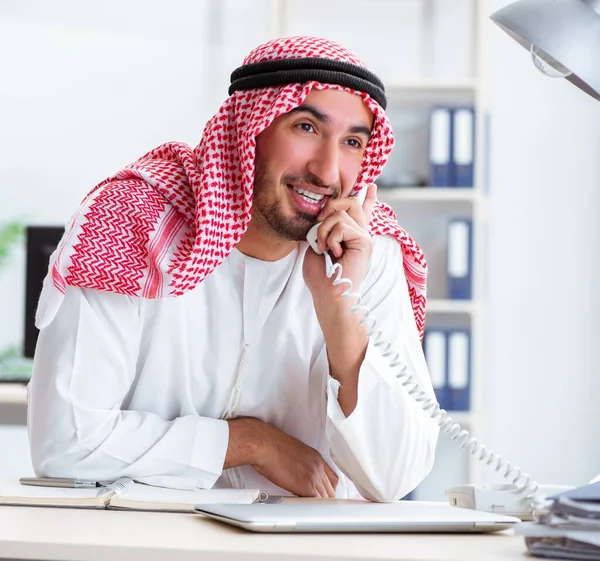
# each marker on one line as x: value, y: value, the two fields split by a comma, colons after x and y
x: 126, y: 386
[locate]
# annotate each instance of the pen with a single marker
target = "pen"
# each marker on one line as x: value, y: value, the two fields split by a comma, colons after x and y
x: 59, y: 482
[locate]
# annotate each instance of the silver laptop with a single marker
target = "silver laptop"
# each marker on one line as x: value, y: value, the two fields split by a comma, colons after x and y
x: 403, y: 516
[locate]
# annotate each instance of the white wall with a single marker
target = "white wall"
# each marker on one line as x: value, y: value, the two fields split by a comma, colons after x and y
x: 542, y: 378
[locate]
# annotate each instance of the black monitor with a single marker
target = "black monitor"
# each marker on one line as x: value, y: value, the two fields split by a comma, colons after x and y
x: 41, y: 243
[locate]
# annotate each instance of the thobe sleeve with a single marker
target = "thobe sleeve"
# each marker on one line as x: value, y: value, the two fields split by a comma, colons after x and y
x: 84, y: 370
x: 386, y: 446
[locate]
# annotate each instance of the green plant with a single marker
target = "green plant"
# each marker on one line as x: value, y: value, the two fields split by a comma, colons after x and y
x: 10, y: 235
x: 12, y: 365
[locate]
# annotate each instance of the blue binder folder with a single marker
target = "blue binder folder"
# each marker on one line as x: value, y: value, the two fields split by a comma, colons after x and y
x: 460, y: 259
x: 440, y: 147
x: 435, y: 350
x: 463, y: 146
x: 459, y: 369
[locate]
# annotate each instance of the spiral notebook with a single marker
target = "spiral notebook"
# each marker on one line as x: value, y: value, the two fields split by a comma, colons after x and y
x: 135, y: 496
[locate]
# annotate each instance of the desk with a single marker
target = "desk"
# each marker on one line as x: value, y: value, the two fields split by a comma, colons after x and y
x: 15, y: 394
x: 13, y: 398
x: 90, y: 535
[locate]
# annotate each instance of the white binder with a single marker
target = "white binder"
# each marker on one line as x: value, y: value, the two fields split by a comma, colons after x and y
x: 463, y: 146
x: 440, y: 147
x: 435, y: 355
x: 459, y: 370
x: 459, y: 259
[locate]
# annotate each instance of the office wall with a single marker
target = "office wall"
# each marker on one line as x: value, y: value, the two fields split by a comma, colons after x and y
x: 542, y: 378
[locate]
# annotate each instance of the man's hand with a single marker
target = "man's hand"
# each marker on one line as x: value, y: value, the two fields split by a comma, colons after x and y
x: 281, y: 458
x: 344, y: 231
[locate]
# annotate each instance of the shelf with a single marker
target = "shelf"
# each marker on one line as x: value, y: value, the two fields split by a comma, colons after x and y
x: 433, y: 85
x: 438, y: 305
x: 13, y: 394
x: 394, y: 194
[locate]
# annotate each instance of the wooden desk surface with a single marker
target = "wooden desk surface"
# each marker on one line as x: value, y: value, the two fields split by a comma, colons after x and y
x: 90, y: 535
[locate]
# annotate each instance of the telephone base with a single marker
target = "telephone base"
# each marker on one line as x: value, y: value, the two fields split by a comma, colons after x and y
x: 501, y: 498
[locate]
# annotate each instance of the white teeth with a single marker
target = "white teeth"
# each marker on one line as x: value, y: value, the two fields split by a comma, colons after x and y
x: 310, y: 197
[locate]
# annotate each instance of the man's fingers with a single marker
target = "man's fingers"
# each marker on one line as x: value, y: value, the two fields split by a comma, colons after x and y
x: 331, y: 476
x: 335, y: 230
x: 321, y: 490
x: 341, y: 234
x: 369, y: 203
x: 329, y: 488
x: 350, y: 205
x: 332, y: 238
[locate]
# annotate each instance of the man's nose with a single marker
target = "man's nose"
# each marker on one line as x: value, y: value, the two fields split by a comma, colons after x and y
x: 325, y: 163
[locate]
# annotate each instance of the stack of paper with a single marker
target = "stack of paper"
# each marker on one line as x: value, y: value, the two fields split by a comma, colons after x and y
x: 570, y: 528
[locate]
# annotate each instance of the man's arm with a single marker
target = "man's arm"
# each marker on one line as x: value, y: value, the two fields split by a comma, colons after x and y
x: 281, y: 458
x: 346, y: 343
x: 378, y: 434
x: 343, y: 232
x: 84, y: 368
x: 387, y: 444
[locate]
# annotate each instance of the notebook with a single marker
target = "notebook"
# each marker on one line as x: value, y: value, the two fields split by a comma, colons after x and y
x: 137, y: 496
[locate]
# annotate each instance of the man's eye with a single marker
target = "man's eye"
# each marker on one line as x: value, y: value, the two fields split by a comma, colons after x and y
x: 354, y: 143
x: 306, y: 127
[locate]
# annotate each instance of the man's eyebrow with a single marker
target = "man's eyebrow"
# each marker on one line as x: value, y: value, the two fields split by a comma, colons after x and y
x: 313, y: 111
x: 361, y: 129
x: 322, y: 118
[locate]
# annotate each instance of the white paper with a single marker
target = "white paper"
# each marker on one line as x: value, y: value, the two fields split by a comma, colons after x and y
x: 148, y: 493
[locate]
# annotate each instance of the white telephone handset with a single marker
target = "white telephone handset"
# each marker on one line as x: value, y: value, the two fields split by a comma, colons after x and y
x: 518, y: 498
x: 311, y: 238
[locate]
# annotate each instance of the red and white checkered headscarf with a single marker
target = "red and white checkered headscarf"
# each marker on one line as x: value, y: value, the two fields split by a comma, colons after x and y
x: 158, y: 227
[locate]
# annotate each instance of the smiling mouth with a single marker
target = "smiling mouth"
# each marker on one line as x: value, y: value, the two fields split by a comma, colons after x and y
x: 308, y: 195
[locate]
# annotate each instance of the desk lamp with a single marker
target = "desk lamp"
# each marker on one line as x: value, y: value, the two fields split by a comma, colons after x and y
x: 563, y: 37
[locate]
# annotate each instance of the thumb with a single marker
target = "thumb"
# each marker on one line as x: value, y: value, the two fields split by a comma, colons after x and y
x: 369, y: 203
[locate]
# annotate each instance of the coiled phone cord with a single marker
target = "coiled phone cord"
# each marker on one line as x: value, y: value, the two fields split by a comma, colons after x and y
x: 523, y: 483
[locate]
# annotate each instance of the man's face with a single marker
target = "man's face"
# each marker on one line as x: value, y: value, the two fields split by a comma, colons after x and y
x: 303, y: 158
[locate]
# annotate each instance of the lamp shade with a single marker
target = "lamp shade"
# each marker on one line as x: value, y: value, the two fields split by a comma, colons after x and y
x: 564, y: 33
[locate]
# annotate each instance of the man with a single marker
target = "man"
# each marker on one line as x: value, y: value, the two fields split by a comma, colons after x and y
x: 189, y: 337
